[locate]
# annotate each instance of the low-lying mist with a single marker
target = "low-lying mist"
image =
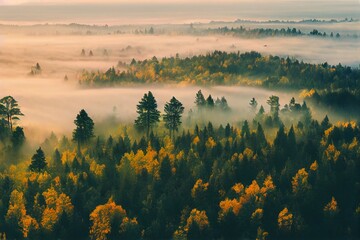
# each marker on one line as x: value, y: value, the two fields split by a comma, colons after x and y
x: 50, y: 103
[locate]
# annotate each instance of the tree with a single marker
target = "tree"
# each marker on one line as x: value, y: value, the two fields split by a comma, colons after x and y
x: 18, y: 137
x: 84, y: 128
x: 172, y: 117
x: 210, y: 102
x: 273, y: 102
x: 38, y: 162
x: 148, y: 113
x: 253, y: 104
x: 106, y: 220
x: 223, y: 104
x: 9, y: 108
x: 200, y: 100
x: 306, y: 117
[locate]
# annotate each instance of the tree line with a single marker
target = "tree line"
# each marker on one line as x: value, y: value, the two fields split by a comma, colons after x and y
x: 222, y: 68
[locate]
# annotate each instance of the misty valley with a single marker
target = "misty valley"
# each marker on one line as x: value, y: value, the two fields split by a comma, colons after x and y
x: 153, y: 129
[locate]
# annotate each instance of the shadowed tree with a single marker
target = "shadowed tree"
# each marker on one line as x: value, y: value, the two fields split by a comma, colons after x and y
x: 200, y: 100
x: 253, y: 104
x: 172, y: 117
x: 38, y: 162
x: 18, y: 138
x: 9, y: 108
x: 210, y: 102
x: 84, y: 128
x: 273, y: 102
x: 148, y: 113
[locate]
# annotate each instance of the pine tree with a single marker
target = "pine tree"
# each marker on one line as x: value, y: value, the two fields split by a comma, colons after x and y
x: 172, y: 117
x: 84, y: 128
x: 253, y: 104
x: 273, y: 102
x: 9, y: 108
x: 148, y: 113
x: 38, y: 162
x: 200, y: 100
x: 210, y: 102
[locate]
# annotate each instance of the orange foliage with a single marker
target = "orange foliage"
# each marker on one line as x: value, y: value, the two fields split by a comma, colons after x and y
x: 314, y: 166
x: 55, y: 205
x: 210, y: 143
x: 16, y: 214
x: 300, y: 181
x: 285, y: 220
x: 199, y: 217
x: 332, y: 153
x: 199, y: 188
x: 331, y: 207
x: 102, y: 217
x: 238, y: 188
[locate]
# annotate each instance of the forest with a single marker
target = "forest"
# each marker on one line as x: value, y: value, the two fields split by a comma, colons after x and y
x: 279, y: 175
x: 227, y: 68
x: 331, y: 86
x: 193, y: 119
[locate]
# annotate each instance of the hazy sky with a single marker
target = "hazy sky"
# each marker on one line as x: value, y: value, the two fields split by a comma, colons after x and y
x: 171, y: 11
x: 16, y: 2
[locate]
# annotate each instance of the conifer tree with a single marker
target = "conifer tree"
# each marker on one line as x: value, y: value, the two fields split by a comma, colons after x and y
x: 172, y: 117
x: 84, y: 128
x: 38, y: 162
x: 9, y: 108
x: 149, y: 115
x: 200, y: 100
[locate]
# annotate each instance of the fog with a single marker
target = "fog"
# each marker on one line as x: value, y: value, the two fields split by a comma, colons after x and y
x: 178, y: 12
x: 51, y: 104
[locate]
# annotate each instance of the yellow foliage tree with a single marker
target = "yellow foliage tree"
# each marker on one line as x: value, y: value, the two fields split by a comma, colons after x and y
x: 103, y: 218
x: 268, y: 186
x: 331, y: 153
x: 300, y: 181
x: 198, y: 217
x: 285, y: 220
x: 238, y: 188
x: 199, y: 188
x: 16, y: 215
x: 210, y: 143
x: 314, y: 166
x: 56, y: 204
x: 331, y: 207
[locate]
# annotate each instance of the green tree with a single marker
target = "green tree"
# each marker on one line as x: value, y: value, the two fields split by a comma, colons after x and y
x: 18, y: 137
x: 172, y: 117
x: 9, y: 108
x: 38, y: 162
x: 253, y: 104
x: 149, y: 115
x: 210, y: 102
x: 84, y: 128
x: 273, y: 102
x: 200, y: 100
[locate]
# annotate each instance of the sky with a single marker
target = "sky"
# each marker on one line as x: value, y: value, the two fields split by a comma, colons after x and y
x: 17, y: 2
x: 171, y: 11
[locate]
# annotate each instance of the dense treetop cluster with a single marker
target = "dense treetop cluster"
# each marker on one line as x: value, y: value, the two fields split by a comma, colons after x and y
x: 280, y: 175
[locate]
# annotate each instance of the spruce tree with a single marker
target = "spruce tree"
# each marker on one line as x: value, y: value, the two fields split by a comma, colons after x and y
x: 38, y: 162
x: 200, y: 100
x: 149, y: 115
x: 84, y: 128
x: 172, y: 117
